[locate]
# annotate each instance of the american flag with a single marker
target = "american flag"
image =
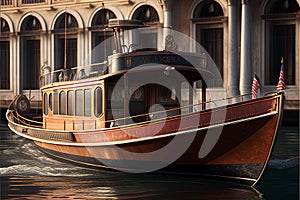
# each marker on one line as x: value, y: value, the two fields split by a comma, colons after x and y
x: 281, y: 83
x: 255, y: 86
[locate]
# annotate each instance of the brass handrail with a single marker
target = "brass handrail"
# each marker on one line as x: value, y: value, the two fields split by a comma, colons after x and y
x: 29, y: 121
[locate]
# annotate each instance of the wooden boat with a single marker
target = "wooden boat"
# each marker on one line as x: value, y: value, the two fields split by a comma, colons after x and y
x: 103, y: 119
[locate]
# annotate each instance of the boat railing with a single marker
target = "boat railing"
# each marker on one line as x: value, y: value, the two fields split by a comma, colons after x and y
x: 156, y: 116
x: 72, y: 74
x: 179, y: 111
x: 153, y: 117
x: 26, y: 120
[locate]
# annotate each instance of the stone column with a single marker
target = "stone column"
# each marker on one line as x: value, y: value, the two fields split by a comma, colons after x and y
x: 246, y: 64
x: 167, y: 19
x: 167, y: 13
x: 233, y: 76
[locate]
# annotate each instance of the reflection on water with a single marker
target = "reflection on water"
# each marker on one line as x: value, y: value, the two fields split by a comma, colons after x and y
x: 28, y: 173
x: 124, y: 186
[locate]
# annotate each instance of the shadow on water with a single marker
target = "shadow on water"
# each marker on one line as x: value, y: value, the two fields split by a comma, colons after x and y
x: 27, y: 173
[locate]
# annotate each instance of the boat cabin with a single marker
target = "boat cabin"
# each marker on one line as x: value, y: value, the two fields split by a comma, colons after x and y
x: 136, y: 86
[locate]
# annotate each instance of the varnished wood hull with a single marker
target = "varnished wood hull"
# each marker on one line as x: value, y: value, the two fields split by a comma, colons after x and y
x: 241, y: 152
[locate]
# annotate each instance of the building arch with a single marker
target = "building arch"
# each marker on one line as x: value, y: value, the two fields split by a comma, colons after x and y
x: 113, y: 9
x: 5, y: 55
x: 208, y: 29
x: 67, y: 33
x: 72, y: 12
x: 101, y: 44
x: 29, y: 29
x: 151, y: 14
x: 101, y: 17
x: 37, y: 16
x: 264, y: 5
x: 157, y: 8
x: 195, y: 3
x: 9, y: 22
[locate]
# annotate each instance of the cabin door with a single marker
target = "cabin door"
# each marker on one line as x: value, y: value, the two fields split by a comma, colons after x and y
x: 162, y: 101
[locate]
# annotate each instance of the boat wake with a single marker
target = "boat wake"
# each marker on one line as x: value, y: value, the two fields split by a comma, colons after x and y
x: 40, y: 171
x: 282, y: 164
x: 25, y: 159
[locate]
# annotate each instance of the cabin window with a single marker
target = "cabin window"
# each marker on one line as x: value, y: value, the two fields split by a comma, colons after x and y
x: 55, y: 98
x: 46, y: 103
x: 98, y: 102
x: 71, y: 103
x: 50, y: 101
x: 87, y: 103
x: 79, y: 102
x: 62, y: 103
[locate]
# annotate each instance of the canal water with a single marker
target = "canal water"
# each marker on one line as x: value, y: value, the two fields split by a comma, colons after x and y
x: 26, y: 173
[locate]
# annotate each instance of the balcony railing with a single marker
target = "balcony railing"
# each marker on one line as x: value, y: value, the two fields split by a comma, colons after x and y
x: 73, y: 74
x: 6, y: 2
x: 25, y: 3
x: 32, y: 1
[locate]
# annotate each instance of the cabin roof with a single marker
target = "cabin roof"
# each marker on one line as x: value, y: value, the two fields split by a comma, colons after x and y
x: 192, y: 65
x: 125, y: 24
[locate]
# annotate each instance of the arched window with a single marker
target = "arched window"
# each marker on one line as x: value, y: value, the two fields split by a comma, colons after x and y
x: 148, y: 37
x: 30, y: 24
x: 101, y: 18
x: 101, y: 35
x: 30, y: 52
x: 4, y: 55
x: 147, y: 14
x: 98, y: 99
x: 65, y: 30
x: 209, y: 33
x: 280, y: 40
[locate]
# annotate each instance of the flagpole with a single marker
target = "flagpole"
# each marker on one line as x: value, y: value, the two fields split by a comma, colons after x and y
x: 281, y: 83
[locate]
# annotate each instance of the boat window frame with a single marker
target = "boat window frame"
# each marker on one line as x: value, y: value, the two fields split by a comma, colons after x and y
x: 68, y: 103
x: 87, y: 91
x: 96, y: 113
x: 55, y: 102
x: 46, y: 103
x: 60, y: 103
x: 50, y: 98
x: 82, y: 102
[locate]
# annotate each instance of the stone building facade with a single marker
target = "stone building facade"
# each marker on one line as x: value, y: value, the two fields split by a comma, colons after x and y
x: 243, y: 37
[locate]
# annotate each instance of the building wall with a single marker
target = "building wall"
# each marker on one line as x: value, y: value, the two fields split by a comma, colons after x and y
x: 181, y: 13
